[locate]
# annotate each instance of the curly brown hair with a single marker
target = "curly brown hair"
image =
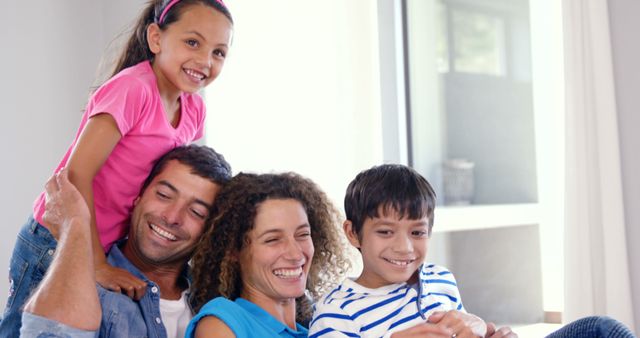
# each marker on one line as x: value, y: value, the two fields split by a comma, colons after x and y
x: 216, y: 272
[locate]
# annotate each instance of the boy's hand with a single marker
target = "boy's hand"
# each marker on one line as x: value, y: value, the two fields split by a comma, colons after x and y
x: 503, y: 332
x: 63, y: 204
x: 424, y: 330
x: 461, y: 323
x: 120, y: 280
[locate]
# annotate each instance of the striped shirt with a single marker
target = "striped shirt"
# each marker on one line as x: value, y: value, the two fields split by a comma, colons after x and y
x: 352, y: 310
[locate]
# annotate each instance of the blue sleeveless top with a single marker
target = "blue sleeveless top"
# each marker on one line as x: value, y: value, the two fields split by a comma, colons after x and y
x: 245, y: 319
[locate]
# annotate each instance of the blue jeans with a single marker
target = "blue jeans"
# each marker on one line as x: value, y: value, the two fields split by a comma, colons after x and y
x: 35, y: 326
x: 30, y: 260
x: 593, y: 327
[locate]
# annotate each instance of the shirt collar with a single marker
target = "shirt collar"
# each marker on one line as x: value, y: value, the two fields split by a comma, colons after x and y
x: 351, y: 284
x: 267, y: 319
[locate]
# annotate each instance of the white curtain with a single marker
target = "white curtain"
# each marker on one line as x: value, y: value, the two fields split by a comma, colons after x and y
x: 597, y: 280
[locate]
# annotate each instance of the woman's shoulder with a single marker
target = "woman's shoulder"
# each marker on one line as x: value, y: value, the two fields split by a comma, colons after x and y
x: 211, y: 324
x: 210, y: 318
x: 222, y: 312
x: 219, y: 304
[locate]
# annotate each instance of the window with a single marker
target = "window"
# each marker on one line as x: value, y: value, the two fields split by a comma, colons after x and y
x: 477, y: 40
x: 483, y: 127
x: 331, y: 102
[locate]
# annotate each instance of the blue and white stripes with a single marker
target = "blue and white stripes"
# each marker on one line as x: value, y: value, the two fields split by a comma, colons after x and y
x: 351, y: 310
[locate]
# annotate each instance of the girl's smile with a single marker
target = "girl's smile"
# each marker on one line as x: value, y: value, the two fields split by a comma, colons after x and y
x: 190, y: 52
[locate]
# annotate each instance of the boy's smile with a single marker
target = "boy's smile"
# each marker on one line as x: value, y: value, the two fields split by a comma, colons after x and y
x: 392, y: 248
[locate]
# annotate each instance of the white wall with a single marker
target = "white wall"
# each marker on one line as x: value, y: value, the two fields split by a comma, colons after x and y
x: 623, y: 18
x: 50, y: 51
x: 309, y: 72
x: 300, y: 91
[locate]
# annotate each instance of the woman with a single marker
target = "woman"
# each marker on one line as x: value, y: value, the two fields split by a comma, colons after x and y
x: 275, y: 237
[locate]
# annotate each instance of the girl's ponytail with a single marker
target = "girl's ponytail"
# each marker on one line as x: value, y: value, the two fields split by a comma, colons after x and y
x: 137, y: 49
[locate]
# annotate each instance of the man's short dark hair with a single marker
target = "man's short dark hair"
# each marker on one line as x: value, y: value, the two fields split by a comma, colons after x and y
x: 203, y: 161
x: 386, y: 188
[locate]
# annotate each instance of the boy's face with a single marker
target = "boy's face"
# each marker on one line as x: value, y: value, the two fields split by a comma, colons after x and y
x: 392, y: 248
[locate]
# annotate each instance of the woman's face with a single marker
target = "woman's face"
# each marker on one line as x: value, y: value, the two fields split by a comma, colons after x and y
x: 277, y: 259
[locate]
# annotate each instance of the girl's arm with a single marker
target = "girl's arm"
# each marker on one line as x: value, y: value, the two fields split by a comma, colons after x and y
x: 98, y: 138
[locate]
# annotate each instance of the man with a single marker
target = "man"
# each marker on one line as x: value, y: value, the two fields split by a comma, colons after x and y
x: 167, y: 221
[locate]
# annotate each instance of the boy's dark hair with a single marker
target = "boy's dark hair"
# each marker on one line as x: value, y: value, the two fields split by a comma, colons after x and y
x: 203, y: 161
x: 386, y: 188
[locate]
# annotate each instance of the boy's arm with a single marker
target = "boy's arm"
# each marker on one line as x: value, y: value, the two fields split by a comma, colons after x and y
x: 457, y: 318
x: 503, y: 332
x: 424, y: 330
x: 461, y: 323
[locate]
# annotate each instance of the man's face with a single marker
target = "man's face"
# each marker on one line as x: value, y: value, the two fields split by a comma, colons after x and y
x: 168, y: 218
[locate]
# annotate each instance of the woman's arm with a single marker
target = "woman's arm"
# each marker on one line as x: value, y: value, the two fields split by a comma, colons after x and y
x: 211, y: 326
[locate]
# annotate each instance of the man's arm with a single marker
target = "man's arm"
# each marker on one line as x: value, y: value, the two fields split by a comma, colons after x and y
x: 68, y: 293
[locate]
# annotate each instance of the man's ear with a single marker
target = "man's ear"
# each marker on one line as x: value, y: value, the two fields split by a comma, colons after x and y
x: 153, y: 37
x: 135, y: 201
x: 352, y: 236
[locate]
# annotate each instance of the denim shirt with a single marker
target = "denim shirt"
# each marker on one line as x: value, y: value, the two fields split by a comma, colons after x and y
x: 124, y: 317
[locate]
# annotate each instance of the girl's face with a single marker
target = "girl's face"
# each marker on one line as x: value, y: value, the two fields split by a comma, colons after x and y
x: 190, y: 52
x: 276, y: 262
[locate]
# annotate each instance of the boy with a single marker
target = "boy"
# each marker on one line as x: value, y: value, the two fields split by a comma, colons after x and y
x: 389, y: 211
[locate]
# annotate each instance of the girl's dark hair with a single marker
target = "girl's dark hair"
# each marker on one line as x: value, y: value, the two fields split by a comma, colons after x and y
x: 386, y: 188
x: 137, y: 48
x: 216, y: 271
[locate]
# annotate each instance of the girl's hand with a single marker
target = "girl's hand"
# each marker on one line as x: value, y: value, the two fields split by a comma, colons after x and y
x: 120, y: 280
x: 63, y: 204
x: 425, y: 330
x: 461, y: 323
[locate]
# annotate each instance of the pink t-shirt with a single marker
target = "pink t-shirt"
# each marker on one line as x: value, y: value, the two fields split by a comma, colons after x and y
x: 132, y: 98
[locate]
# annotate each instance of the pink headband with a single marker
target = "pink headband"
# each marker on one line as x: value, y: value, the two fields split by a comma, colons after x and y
x: 173, y: 2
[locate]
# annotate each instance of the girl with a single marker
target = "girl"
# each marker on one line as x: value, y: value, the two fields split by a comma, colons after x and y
x: 146, y: 108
